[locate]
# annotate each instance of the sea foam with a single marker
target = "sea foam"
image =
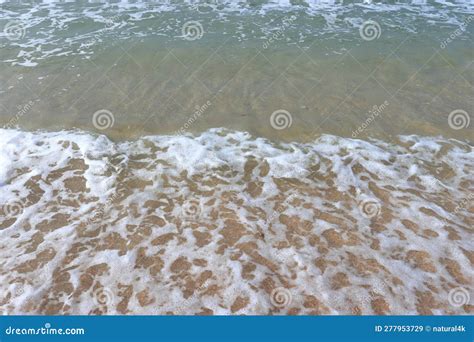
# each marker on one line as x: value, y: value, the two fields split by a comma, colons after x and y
x: 224, y: 223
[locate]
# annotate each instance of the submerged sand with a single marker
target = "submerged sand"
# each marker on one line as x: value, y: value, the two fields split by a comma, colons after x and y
x: 224, y: 223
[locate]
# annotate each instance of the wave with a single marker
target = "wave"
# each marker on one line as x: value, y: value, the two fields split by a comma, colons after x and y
x: 65, y: 29
x: 224, y: 222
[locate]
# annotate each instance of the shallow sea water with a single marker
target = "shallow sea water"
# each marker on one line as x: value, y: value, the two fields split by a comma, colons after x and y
x: 221, y: 157
x: 154, y: 65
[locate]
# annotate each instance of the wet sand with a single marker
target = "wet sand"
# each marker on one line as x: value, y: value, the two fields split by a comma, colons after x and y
x: 228, y: 224
x: 276, y: 158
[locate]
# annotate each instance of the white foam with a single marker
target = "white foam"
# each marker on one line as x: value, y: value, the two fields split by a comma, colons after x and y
x: 407, y: 173
x: 57, y: 31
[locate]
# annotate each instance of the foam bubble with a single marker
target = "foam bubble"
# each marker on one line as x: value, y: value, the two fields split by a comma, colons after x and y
x: 110, y: 218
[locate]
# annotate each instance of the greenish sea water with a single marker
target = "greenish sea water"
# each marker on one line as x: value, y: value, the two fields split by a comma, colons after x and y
x: 174, y: 66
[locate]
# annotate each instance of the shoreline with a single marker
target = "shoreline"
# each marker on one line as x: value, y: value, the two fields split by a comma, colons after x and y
x: 224, y: 223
